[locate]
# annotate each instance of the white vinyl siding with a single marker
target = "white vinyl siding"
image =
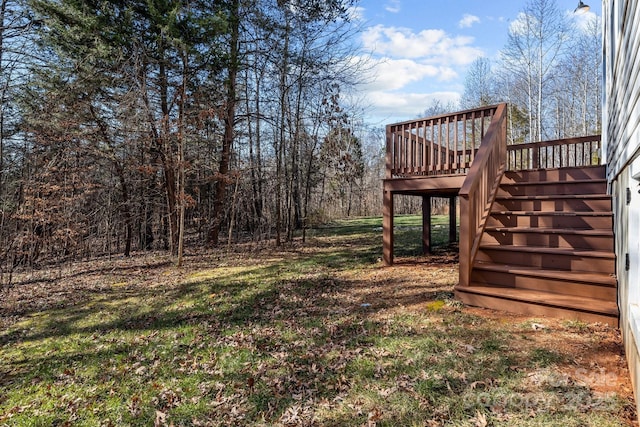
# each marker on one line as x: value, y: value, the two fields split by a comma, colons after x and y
x: 622, y: 47
x: 621, y: 146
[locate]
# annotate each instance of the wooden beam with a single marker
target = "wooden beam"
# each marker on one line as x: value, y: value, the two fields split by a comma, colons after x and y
x: 387, y: 227
x: 452, y: 219
x: 442, y: 183
x: 426, y: 225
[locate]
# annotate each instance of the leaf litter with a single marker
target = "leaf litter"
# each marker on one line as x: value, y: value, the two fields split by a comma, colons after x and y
x: 285, y: 338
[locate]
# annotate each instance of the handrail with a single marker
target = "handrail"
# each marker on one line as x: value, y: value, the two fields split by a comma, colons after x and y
x: 576, y: 152
x: 439, y: 145
x: 479, y: 190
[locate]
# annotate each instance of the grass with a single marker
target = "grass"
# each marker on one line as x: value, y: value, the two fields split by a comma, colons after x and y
x: 317, y: 334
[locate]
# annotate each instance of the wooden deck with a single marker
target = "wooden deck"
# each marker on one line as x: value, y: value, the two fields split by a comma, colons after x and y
x: 535, y: 219
x: 428, y: 158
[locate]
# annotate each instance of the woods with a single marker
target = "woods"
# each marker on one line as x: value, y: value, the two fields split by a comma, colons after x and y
x: 145, y: 124
x: 549, y: 72
x: 158, y: 125
x: 230, y: 138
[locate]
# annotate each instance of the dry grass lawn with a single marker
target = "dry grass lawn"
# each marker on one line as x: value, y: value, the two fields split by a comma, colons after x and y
x: 315, y: 334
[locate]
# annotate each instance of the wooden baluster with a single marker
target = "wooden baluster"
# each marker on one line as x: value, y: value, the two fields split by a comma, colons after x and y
x: 394, y: 154
x: 425, y: 152
x: 396, y: 143
x: 431, y: 147
x: 415, y: 162
x: 389, y: 154
x: 403, y: 152
x: 415, y: 158
x: 394, y: 150
x: 439, y: 146
x: 469, y: 159
x: 410, y: 149
x: 456, y: 160
x: 473, y: 131
x: 447, y: 150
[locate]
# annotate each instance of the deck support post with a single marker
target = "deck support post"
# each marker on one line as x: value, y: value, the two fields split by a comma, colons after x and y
x: 452, y: 219
x: 426, y: 225
x: 387, y: 227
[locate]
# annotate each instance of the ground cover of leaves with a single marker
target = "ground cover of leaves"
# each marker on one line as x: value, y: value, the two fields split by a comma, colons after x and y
x: 314, y: 334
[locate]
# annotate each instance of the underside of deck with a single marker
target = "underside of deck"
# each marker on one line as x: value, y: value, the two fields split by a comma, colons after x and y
x: 426, y: 187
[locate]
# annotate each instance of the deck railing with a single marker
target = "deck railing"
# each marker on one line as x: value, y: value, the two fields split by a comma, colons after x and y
x: 440, y: 145
x: 583, y: 151
x: 479, y: 189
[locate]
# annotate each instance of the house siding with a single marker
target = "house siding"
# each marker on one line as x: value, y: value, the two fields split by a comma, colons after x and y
x: 622, y: 71
x: 621, y: 147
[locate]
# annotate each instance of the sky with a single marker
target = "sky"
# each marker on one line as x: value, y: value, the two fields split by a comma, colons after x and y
x: 421, y: 49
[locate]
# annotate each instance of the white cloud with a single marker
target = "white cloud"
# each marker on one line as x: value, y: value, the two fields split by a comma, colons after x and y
x: 467, y: 21
x: 393, y: 74
x: 520, y: 25
x: 393, y: 6
x: 432, y: 45
x: 404, y: 106
x: 585, y: 22
x: 408, y: 70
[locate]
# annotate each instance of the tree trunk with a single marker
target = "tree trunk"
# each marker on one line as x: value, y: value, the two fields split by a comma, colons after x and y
x: 229, y: 124
x: 181, y: 162
x: 281, y: 144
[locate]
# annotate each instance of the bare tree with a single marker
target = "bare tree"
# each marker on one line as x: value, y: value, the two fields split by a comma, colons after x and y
x: 534, y: 47
x: 16, y: 53
x: 174, y: 100
x: 577, y: 82
x: 479, y: 85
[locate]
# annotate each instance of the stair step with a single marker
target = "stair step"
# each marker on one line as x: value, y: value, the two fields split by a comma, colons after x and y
x: 563, y: 275
x: 551, y: 230
x: 554, y: 203
x: 552, y: 182
x: 552, y: 251
x: 534, y: 302
x: 526, y: 275
x: 546, y: 219
x: 549, y: 258
x: 553, y: 213
x: 548, y: 188
x: 580, y: 283
x: 558, y: 174
x: 602, y: 279
x: 599, y: 240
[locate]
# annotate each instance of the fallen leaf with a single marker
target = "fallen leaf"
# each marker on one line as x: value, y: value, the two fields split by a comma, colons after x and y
x: 480, y: 419
x: 161, y: 419
x: 475, y: 384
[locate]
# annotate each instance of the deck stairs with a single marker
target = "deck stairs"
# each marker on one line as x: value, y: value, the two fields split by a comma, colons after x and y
x: 548, y: 247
